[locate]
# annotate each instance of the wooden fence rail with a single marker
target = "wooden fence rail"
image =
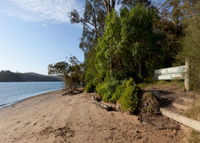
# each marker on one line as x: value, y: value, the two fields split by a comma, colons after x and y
x: 174, y: 73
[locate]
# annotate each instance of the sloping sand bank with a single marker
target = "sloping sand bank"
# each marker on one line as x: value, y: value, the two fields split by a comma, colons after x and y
x: 53, y: 118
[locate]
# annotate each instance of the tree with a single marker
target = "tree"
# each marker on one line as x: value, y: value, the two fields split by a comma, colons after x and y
x: 191, y: 45
x: 128, y: 47
x: 92, y: 21
x: 107, y: 45
x: 171, y: 26
x: 71, y: 72
x: 109, y: 5
x: 58, y: 68
x: 132, y: 3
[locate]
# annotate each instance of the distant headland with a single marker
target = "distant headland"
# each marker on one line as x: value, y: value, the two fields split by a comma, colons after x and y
x: 8, y: 76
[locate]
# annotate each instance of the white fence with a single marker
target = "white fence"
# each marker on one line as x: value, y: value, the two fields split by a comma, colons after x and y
x: 174, y: 73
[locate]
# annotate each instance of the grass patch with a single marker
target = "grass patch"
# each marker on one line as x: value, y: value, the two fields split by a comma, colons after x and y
x: 163, y: 83
x: 194, y: 111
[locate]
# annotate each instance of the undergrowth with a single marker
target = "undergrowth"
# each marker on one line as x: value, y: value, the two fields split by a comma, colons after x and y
x: 194, y: 111
x: 162, y: 83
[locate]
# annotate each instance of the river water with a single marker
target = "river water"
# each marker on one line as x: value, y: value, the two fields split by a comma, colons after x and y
x: 11, y: 92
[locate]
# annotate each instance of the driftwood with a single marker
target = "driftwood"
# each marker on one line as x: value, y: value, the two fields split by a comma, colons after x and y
x: 102, y: 105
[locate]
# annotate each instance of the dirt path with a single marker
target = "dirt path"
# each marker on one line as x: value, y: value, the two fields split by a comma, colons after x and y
x: 53, y: 118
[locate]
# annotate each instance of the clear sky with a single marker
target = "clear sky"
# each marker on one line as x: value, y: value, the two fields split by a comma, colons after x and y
x: 35, y: 33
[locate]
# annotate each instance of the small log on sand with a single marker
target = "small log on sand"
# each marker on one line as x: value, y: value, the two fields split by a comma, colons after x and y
x: 102, y: 105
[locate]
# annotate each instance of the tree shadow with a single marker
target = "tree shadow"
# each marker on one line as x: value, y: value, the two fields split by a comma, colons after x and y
x: 164, y: 98
x: 73, y: 92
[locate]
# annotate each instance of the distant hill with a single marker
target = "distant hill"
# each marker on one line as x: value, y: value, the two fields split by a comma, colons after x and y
x: 8, y: 76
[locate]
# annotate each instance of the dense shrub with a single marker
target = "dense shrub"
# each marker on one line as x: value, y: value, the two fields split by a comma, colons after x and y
x: 118, y: 92
x: 90, y: 88
x: 106, y: 89
x: 126, y: 93
x: 130, y: 97
x: 102, y: 89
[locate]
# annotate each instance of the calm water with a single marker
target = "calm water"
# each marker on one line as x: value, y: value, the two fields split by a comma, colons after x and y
x: 11, y: 92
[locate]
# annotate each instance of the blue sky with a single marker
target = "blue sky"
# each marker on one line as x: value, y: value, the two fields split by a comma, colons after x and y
x: 35, y: 33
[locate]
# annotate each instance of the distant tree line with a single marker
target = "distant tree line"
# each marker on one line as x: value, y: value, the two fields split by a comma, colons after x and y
x: 8, y: 76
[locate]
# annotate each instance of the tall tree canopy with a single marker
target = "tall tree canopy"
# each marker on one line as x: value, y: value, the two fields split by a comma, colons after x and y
x: 93, y: 21
x: 132, y: 3
x: 128, y: 47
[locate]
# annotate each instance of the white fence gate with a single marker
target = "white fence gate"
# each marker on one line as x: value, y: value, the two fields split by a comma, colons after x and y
x: 174, y: 73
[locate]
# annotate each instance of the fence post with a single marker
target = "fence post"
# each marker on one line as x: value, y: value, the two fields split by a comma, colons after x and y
x: 187, y: 78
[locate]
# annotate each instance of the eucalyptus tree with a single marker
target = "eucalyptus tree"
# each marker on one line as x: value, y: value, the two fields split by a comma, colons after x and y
x: 92, y: 21
x: 131, y: 3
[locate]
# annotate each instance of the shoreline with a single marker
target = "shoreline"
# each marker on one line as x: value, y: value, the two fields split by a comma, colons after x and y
x: 6, y: 105
x: 53, y: 118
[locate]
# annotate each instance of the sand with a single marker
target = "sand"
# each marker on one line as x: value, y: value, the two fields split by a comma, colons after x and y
x: 53, y: 118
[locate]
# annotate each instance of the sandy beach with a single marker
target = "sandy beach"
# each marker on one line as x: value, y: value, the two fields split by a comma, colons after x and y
x: 54, y: 118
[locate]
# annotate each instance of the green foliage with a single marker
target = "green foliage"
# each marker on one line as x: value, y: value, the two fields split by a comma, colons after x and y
x: 191, y: 46
x: 72, y: 72
x: 106, y: 59
x: 90, y: 87
x: 130, y: 97
x: 126, y: 93
x: 132, y: 3
x: 106, y: 89
x: 129, y: 43
x: 128, y: 47
x: 93, y: 21
x: 57, y: 68
x: 118, y: 92
x: 132, y: 46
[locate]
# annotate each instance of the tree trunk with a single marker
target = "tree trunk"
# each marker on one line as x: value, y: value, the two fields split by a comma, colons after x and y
x: 110, y: 5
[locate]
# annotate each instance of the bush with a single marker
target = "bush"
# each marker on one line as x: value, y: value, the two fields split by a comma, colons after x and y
x: 149, y: 103
x: 90, y: 88
x: 118, y: 92
x: 106, y: 89
x: 126, y: 93
x: 129, y: 99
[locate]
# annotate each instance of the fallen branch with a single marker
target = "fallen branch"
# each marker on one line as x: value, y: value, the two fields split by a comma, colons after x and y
x: 102, y: 105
